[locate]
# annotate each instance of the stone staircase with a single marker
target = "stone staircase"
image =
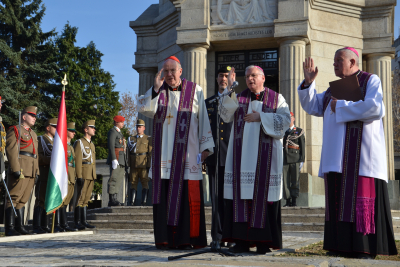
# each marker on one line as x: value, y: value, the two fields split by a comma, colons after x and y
x: 298, y: 219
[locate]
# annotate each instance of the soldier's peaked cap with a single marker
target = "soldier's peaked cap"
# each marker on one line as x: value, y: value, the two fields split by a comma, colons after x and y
x: 32, y: 110
x: 224, y: 69
x: 71, y: 126
x: 52, y: 121
x: 89, y: 123
x: 140, y: 123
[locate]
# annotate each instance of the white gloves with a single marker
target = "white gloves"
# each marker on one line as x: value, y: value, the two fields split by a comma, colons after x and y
x: 301, y: 165
x: 114, y: 164
x: 3, y: 175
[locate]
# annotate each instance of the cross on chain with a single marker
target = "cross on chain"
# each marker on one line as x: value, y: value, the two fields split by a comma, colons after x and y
x: 169, y: 117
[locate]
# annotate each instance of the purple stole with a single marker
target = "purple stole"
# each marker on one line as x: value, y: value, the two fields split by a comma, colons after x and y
x: 180, y: 148
x: 351, y: 159
x: 261, y: 184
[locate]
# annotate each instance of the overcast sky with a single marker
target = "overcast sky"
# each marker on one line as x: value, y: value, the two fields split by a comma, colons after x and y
x: 106, y: 23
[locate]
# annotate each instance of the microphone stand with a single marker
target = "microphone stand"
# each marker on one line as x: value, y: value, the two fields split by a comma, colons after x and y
x: 215, y: 244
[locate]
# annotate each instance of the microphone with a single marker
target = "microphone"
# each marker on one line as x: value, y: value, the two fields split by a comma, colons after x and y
x: 235, y: 84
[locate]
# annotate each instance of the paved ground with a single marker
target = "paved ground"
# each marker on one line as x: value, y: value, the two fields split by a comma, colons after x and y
x: 127, y: 248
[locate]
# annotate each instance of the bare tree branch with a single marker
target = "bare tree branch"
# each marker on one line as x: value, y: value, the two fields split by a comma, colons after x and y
x: 129, y: 111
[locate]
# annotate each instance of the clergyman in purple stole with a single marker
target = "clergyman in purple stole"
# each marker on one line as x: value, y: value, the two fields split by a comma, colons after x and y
x: 358, y: 219
x: 253, y: 169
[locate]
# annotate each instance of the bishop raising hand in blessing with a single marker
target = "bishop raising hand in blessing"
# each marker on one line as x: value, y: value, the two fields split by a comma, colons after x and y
x: 181, y: 139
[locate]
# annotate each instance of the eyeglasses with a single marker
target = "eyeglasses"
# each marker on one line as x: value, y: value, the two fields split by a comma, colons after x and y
x: 252, y: 76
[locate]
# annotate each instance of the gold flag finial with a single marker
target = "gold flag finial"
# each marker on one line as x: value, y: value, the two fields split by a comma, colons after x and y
x: 64, y: 82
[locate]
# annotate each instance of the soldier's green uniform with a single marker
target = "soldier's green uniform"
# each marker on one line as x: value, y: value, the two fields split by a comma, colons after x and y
x: 116, y: 154
x: 22, y: 170
x: 85, y: 167
x: 45, y: 147
x: 139, y: 158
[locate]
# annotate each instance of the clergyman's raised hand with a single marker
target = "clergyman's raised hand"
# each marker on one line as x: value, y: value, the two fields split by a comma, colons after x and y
x: 310, y: 71
x: 158, y: 80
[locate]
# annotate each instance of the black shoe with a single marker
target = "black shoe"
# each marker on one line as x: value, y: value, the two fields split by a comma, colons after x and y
x: 19, y: 222
x: 230, y: 244
x: 77, y: 219
x: 262, y: 249
x: 83, y: 218
x: 57, y: 226
x: 133, y: 197
x: 333, y: 254
x: 240, y: 247
x: 64, y: 220
x: 144, y: 196
x: 37, y: 221
x: 288, y: 203
x: 113, y: 200
x: 162, y: 247
x: 9, y: 223
x: 294, y: 202
x: 364, y: 256
x: 185, y: 247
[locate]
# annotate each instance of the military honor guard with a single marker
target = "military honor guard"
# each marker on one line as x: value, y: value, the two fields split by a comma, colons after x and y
x: 358, y: 220
x: 85, y: 167
x: 63, y: 221
x: 182, y: 140
x: 139, y: 158
x: 40, y: 219
x: 23, y: 170
x: 253, y: 168
x: 116, y: 159
x: 224, y: 131
x: 294, y: 152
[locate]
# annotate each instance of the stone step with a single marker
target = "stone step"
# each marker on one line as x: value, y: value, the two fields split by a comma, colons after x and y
x: 128, y: 216
x: 303, y: 218
x: 303, y: 210
x: 127, y: 224
x: 300, y: 227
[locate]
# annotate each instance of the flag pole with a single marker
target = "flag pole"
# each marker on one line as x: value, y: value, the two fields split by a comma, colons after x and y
x: 52, y: 224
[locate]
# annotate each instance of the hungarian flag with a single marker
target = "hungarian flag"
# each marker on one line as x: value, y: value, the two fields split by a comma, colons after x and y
x: 57, y: 184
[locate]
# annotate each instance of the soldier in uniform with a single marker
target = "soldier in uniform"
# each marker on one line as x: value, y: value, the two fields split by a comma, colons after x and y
x: 2, y: 147
x: 85, y: 167
x: 23, y: 169
x: 222, y: 146
x: 116, y: 159
x: 293, y: 158
x: 40, y: 218
x: 139, y: 158
x: 71, y: 179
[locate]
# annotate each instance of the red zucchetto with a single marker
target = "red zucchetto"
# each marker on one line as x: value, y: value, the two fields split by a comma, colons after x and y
x: 173, y: 58
x: 119, y: 118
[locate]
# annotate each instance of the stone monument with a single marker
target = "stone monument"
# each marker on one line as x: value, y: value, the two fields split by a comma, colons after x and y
x: 276, y: 35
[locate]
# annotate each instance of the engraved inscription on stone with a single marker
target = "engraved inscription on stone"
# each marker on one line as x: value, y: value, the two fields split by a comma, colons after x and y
x: 242, y: 33
x: 239, y: 12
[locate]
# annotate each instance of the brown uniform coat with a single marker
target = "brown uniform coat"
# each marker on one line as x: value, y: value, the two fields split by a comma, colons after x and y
x: 85, y: 171
x: 71, y: 174
x: 143, y: 145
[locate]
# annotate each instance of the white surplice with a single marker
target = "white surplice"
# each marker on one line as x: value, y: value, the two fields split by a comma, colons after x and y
x: 200, y: 136
x: 370, y: 111
x: 274, y: 125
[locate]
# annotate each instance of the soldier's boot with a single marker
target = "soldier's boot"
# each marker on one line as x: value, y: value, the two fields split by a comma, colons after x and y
x: 9, y: 226
x: 77, y: 219
x: 45, y: 221
x: 19, y: 222
x: 144, y: 196
x: 57, y: 226
x: 133, y: 197
x: 83, y: 218
x: 64, y: 220
x: 37, y: 215
x: 113, y: 200
x: 288, y: 203
x: 294, y: 204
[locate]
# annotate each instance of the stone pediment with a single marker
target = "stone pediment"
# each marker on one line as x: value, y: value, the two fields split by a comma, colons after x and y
x: 242, y: 12
x: 177, y: 3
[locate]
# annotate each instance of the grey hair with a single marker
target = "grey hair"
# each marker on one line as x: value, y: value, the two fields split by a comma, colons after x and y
x: 349, y: 54
x: 177, y: 63
x: 254, y: 66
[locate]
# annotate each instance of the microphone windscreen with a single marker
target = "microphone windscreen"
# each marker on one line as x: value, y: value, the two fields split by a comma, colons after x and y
x: 235, y: 84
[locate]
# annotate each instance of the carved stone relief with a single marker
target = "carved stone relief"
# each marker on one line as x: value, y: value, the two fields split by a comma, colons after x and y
x: 240, y: 12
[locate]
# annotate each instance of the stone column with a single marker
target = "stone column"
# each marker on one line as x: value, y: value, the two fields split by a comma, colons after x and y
x: 195, y: 64
x: 381, y: 65
x: 292, y: 55
x: 146, y: 81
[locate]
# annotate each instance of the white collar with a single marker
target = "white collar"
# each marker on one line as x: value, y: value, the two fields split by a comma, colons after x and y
x: 89, y: 141
x: 137, y: 136
x: 291, y: 128
x: 118, y: 129
x: 51, y: 139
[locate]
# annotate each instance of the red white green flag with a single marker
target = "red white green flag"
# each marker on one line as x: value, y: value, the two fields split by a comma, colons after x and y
x: 57, y: 185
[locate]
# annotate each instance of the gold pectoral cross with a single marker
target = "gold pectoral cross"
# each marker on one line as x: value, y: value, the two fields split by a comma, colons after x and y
x: 169, y: 117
